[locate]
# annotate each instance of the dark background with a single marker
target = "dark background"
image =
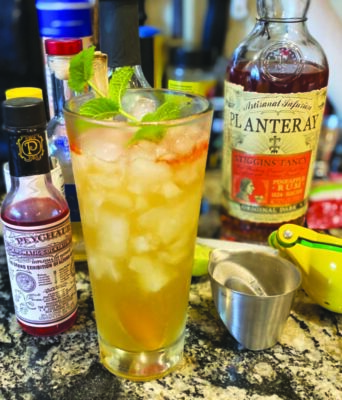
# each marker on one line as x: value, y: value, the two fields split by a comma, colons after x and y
x: 21, y: 58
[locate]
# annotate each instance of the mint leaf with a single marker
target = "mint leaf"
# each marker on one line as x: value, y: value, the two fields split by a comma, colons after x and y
x: 80, y: 78
x: 152, y: 133
x: 81, y: 69
x: 99, y: 108
x: 167, y: 111
x: 171, y: 109
x: 119, y: 82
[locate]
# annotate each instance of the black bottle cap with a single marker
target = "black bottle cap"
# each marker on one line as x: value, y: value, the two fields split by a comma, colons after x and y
x: 25, y: 123
x: 24, y: 112
x: 119, y: 32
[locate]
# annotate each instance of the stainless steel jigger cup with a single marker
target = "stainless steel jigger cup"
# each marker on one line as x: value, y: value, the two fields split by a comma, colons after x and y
x: 253, y: 293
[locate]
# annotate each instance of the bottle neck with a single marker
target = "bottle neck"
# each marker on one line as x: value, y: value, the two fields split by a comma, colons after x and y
x: 31, y: 185
x: 290, y: 11
x: 283, y: 20
x: 59, y: 69
x: 119, y: 32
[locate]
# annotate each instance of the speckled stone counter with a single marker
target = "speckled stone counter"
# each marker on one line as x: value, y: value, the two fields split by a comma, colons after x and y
x: 305, y: 364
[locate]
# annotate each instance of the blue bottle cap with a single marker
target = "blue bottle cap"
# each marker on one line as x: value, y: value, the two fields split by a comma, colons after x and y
x: 146, y: 31
x: 65, y: 18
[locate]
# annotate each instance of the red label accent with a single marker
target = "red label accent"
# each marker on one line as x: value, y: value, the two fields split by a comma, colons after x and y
x: 269, y: 180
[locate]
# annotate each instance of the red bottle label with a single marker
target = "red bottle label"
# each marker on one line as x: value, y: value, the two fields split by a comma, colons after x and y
x: 270, y: 144
x: 42, y: 272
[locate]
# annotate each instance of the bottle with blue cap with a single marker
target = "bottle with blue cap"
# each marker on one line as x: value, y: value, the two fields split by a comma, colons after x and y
x: 65, y: 19
x: 70, y: 19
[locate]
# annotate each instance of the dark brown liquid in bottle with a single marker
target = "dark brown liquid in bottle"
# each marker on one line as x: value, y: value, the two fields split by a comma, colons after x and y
x: 248, y: 75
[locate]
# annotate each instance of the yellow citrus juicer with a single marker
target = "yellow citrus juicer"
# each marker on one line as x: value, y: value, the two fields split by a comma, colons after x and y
x: 319, y: 257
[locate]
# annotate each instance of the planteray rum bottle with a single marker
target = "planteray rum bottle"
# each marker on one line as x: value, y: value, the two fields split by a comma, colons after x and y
x: 275, y: 94
x: 36, y: 226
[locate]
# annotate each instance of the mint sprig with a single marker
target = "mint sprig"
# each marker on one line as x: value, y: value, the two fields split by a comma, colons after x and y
x: 81, y: 70
x: 119, y: 83
x: 154, y: 133
x: 101, y: 107
x: 167, y: 111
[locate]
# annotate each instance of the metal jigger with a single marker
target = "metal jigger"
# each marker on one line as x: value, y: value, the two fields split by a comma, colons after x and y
x: 253, y: 294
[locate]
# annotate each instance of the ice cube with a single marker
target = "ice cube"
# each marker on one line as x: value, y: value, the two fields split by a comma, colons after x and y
x: 141, y: 204
x: 138, y: 105
x: 151, y: 219
x: 170, y: 190
x: 188, y: 173
x: 95, y: 199
x: 107, y: 144
x: 102, y: 266
x: 169, y: 222
x: 116, y: 200
x: 183, y: 145
x: 143, y: 243
x: 152, y: 274
x: 99, y: 175
x: 144, y: 149
x: 179, y: 252
x: 112, y: 233
x: 147, y: 176
x: 181, y: 221
x: 182, y: 140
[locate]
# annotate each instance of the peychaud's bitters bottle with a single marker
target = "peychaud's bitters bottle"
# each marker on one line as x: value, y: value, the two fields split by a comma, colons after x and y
x: 275, y: 94
x: 36, y: 226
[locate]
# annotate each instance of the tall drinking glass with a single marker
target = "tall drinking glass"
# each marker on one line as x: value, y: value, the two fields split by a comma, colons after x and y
x: 139, y: 202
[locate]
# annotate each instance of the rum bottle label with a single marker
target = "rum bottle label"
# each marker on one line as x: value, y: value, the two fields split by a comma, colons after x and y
x: 270, y: 143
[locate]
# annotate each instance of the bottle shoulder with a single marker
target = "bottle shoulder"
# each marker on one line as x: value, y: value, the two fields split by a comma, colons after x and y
x: 270, y: 61
x: 56, y: 126
x: 33, y: 201
x: 265, y: 38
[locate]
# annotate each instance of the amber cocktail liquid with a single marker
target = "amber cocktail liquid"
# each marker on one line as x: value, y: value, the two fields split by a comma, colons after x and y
x: 140, y: 206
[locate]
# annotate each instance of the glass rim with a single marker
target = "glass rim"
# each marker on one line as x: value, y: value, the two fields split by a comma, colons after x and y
x: 207, y: 108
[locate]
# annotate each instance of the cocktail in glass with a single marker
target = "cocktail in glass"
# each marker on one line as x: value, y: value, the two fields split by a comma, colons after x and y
x: 139, y: 203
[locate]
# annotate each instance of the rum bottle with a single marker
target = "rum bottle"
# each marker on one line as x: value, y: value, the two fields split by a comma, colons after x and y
x: 36, y: 226
x: 275, y: 93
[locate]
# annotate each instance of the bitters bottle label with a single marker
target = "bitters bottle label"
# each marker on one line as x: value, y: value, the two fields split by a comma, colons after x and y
x: 270, y: 143
x: 42, y: 272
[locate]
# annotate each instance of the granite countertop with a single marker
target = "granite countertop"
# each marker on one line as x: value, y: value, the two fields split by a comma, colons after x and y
x: 306, y: 363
